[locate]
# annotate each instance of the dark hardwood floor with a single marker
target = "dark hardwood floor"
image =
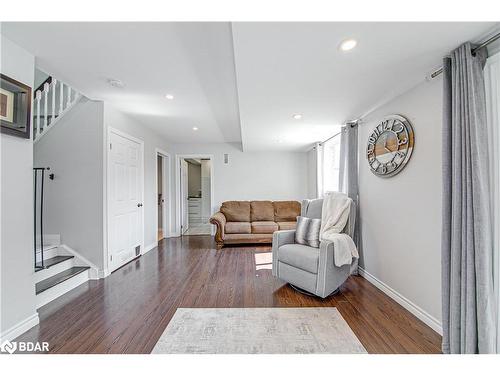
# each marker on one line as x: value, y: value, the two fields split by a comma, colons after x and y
x: 128, y: 311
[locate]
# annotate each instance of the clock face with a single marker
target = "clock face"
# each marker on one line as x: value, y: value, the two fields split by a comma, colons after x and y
x: 390, y: 146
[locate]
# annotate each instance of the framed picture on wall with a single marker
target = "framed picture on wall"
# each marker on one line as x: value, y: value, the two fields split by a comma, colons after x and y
x: 15, y: 107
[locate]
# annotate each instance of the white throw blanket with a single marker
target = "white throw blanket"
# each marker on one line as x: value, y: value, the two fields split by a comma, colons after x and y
x: 335, y: 213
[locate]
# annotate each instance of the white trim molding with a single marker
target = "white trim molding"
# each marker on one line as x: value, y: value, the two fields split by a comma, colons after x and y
x: 21, y: 327
x: 167, y: 176
x: 150, y: 247
x: 416, y: 310
x: 94, y: 272
x: 177, y: 173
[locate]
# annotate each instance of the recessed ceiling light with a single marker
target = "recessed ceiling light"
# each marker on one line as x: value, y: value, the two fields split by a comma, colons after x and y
x: 169, y: 96
x: 195, y: 128
x: 116, y: 83
x: 297, y: 116
x: 348, y: 45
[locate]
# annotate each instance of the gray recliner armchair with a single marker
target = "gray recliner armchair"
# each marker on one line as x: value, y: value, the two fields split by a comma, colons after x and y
x: 309, y: 268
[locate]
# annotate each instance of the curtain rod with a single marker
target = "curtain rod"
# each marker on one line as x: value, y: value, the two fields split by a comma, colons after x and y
x: 433, y: 75
x: 353, y: 123
x: 333, y: 136
x: 482, y: 45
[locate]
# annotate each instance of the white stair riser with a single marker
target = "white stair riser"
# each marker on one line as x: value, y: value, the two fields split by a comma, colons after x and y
x: 62, y: 288
x: 49, y: 272
x: 48, y: 252
x: 49, y: 239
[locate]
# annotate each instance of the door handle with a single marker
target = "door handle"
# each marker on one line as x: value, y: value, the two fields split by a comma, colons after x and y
x: 139, y: 204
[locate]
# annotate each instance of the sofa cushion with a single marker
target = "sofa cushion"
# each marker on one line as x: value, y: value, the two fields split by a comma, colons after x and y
x: 261, y: 211
x: 286, y: 210
x: 237, y: 227
x: 287, y: 225
x: 236, y: 210
x: 248, y: 238
x: 264, y: 227
x: 300, y: 256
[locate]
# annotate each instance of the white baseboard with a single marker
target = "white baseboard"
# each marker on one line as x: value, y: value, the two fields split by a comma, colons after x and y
x: 82, y: 261
x: 103, y: 273
x: 150, y: 247
x: 416, y: 310
x: 19, y: 328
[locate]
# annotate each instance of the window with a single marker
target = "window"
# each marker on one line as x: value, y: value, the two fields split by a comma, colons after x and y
x: 331, y: 164
x: 328, y: 156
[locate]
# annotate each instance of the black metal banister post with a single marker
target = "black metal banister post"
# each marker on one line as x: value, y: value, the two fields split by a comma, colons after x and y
x: 41, y: 217
x: 42, y: 265
x: 35, y: 173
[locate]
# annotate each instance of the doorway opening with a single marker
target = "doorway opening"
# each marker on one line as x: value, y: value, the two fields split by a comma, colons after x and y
x: 195, y: 194
x: 162, y: 195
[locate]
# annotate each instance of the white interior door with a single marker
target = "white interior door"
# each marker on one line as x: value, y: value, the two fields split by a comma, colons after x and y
x: 184, y: 196
x: 163, y: 195
x: 125, y: 204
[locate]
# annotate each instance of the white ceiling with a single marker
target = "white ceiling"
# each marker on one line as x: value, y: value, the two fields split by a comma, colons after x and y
x: 287, y: 68
x: 242, y: 82
x: 192, y: 61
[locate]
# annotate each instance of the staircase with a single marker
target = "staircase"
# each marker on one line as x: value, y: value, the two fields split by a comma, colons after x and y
x: 52, y: 99
x: 58, y: 270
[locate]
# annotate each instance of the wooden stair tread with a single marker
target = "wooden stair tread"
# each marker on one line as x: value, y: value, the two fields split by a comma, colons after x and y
x: 58, y: 278
x: 47, y: 263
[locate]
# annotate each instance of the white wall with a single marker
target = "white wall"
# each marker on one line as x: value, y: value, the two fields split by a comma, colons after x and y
x: 40, y: 77
x: 17, y: 289
x: 115, y: 119
x: 252, y: 175
x: 401, y: 216
x: 73, y: 200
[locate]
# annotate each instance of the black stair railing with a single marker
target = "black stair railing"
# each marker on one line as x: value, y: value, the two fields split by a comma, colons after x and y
x: 38, y: 180
x: 47, y: 80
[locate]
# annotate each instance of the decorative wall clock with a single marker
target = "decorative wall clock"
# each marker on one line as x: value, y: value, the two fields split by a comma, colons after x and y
x: 390, y: 146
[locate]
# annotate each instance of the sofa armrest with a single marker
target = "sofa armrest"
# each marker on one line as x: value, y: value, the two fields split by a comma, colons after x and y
x: 280, y: 238
x: 219, y: 220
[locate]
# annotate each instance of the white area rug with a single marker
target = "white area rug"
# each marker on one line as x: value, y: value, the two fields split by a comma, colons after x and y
x: 258, y: 331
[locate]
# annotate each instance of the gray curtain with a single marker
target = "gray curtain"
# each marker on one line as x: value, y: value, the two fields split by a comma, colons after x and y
x: 467, y: 247
x: 348, y: 174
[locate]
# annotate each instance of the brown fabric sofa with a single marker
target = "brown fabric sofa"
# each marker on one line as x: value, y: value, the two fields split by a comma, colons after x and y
x: 241, y: 222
